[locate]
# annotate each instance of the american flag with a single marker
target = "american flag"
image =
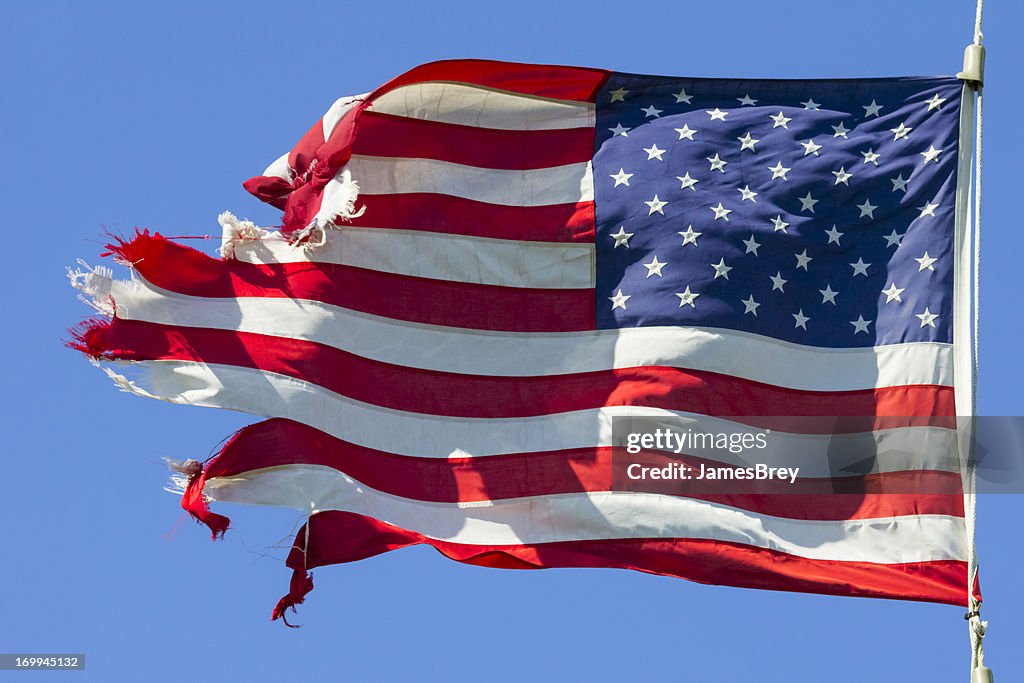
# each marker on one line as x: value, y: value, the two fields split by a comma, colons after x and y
x: 481, y: 264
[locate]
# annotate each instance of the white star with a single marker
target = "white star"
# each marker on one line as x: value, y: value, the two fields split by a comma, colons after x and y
x: 777, y: 282
x: 801, y: 319
x: 621, y: 178
x: 893, y: 293
x: 935, y: 102
x: 894, y: 238
x: 687, y: 181
x: 721, y: 270
x: 802, y: 260
x: 871, y: 109
x: 779, y: 224
x: 870, y: 157
x: 840, y: 131
x: 899, y: 183
x: 860, y: 268
x: 651, y: 111
x: 810, y: 104
x: 749, y: 305
x: 931, y: 154
x: 686, y: 298
x: 681, y: 96
x: 780, y: 119
x: 656, y: 206
x: 721, y: 211
x: 808, y: 202
x: 842, y: 176
x: 927, y: 318
x: 685, y: 132
x: 690, y: 236
x: 747, y: 142
x: 746, y: 101
x: 752, y: 245
x: 620, y: 130
x: 900, y: 132
x: 867, y: 209
x: 717, y: 163
x: 621, y: 237
x: 654, y: 153
x: 717, y: 113
x: 927, y: 210
x: 779, y: 171
x: 828, y: 296
x: 834, y: 235
x: 811, y: 147
x: 860, y: 324
x: 654, y: 267
x: 618, y: 95
x: 926, y: 261
x: 619, y: 300
x: 747, y: 194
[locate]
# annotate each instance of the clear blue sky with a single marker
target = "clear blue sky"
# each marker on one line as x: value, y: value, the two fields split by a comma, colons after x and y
x: 118, y: 115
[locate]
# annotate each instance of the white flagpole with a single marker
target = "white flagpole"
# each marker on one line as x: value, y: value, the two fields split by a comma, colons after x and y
x: 973, y: 76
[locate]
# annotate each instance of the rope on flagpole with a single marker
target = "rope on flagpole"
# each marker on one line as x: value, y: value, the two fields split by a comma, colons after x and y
x: 973, y: 76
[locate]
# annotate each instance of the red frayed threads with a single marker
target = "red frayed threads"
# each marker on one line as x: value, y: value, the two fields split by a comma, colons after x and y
x: 126, y: 251
x: 300, y: 586
x: 86, y: 338
x: 194, y: 503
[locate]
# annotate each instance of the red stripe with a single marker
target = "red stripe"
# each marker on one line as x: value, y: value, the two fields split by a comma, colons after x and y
x: 444, y: 393
x: 458, y: 216
x: 398, y: 136
x: 279, y: 442
x: 541, y: 80
x: 335, y: 537
x: 439, y: 302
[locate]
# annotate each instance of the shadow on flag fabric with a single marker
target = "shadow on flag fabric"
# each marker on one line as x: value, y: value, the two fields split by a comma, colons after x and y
x: 483, y: 269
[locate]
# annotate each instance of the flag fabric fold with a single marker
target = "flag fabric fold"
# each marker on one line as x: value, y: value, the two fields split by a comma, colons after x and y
x: 482, y: 266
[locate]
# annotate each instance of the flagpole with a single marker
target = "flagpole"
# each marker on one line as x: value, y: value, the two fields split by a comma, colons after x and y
x: 973, y: 75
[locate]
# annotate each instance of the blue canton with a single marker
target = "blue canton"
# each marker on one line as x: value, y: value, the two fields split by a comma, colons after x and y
x: 818, y: 212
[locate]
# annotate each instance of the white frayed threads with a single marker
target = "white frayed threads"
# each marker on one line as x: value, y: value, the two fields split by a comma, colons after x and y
x: 184, y: 471
x: 340, y: 197
x: 235, y: 232
x: 126, y: 385
x: 94, y: 287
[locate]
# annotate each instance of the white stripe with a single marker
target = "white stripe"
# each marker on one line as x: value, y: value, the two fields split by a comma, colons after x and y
x: 536, y: 187
x: 434, y: 436
x: 740, y: 354
x: 341, y: 106
x: 480, y: 107
x: 480, y: 260
x: 600, y: 515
